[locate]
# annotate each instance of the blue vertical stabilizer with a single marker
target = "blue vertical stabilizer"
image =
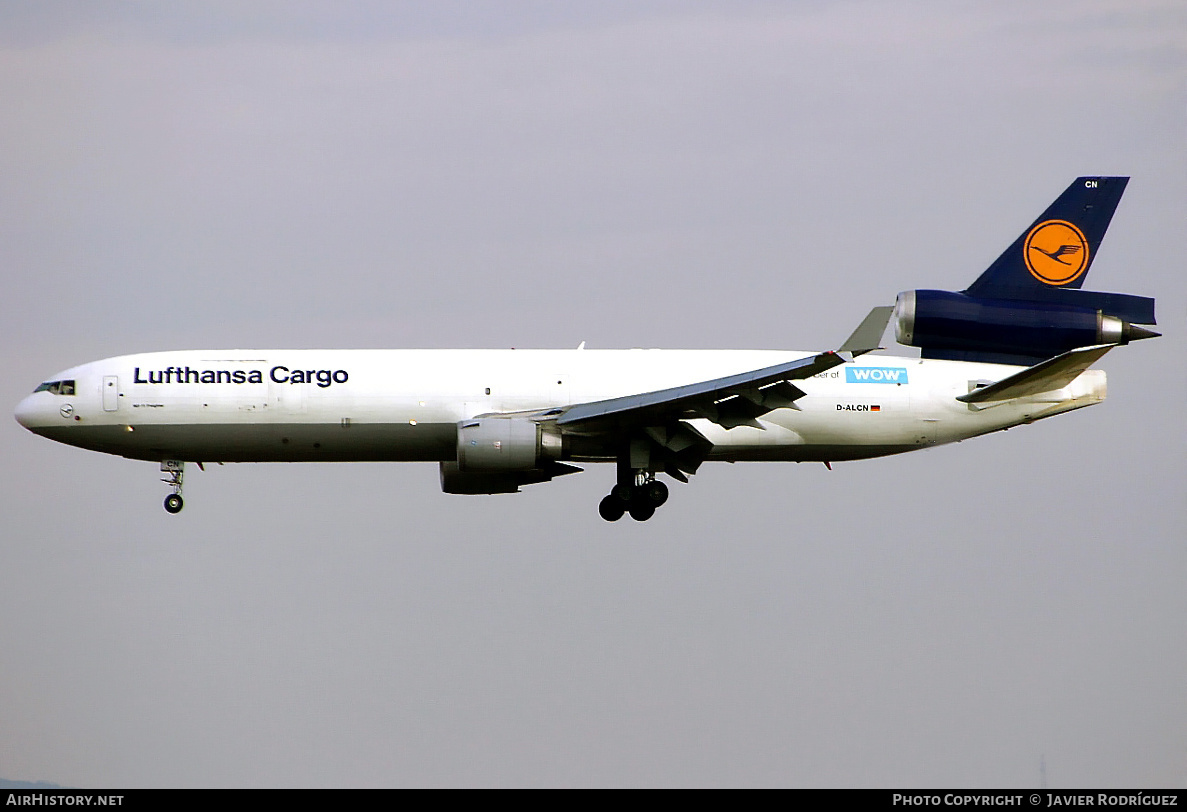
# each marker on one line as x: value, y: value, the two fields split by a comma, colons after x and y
x: 1058, y: 248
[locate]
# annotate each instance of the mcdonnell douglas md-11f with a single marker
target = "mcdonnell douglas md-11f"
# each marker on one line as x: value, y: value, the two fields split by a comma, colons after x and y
x: 1013, y: 348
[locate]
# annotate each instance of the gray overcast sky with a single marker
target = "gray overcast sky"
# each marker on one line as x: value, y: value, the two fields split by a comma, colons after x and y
x: 536, y: 174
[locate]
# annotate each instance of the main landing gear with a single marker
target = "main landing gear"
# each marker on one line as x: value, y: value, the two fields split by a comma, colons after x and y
x: 174, y: 474
x: 639, y: 498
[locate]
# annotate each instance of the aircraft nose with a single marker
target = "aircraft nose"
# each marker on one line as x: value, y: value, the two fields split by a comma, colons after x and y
x: 26, y: 412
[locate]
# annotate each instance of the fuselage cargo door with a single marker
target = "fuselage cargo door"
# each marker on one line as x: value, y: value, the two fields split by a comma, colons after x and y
x: 111, y: 393
x: 928, y: 403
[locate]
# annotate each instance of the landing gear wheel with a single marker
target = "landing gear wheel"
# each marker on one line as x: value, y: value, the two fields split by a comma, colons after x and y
x: 641, y: 510
x: 611, y: 508
x: 655, y: 492
x: 622, y: 493
x: 173, y: 503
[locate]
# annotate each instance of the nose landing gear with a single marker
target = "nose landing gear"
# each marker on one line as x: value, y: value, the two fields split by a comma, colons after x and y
x: 174, y: 474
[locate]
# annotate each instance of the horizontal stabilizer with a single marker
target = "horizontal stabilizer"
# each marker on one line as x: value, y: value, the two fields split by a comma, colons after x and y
x: 1054, y: 373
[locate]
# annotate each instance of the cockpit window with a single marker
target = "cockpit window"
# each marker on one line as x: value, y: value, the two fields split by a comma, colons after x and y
x: 57, y: 387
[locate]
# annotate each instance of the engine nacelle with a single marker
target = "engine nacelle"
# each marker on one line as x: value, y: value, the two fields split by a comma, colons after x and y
x: 475, y: 482
x: 498, y: 455
x: 504, y: 444
x: 945, y: 324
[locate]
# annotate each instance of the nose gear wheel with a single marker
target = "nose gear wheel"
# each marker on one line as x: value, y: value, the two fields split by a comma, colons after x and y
x: 174, y: 471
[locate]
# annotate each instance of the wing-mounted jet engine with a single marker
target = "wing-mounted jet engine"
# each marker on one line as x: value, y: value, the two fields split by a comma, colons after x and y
x: 498, y: 454
x: 1028, y: 305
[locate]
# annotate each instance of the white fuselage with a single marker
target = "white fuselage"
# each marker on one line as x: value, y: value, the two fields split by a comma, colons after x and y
x: 404, y: 405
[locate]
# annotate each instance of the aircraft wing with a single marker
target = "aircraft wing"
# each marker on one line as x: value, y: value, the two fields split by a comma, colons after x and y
x: 734, y: 400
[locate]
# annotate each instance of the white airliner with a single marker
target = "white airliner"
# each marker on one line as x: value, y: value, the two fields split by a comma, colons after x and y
x: 495, y: 420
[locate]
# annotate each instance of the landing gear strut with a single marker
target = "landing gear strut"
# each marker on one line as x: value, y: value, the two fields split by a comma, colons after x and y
x: 174, y: 474
x: 639, y: 496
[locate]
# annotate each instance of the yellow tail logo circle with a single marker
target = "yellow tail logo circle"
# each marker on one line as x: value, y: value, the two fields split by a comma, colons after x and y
x: 1055, y: 252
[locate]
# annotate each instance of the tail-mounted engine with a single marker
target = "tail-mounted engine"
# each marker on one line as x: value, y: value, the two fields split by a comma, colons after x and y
x: 962, y: 327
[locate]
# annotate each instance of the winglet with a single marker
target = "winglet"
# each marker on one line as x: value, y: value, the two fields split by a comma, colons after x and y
x: 868, y: 335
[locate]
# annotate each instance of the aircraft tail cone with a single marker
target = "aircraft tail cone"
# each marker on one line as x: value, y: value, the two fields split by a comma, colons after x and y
x: 1135, y: 332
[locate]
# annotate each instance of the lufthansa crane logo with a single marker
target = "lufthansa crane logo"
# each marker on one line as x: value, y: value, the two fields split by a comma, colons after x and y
x: 1056, y: 252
